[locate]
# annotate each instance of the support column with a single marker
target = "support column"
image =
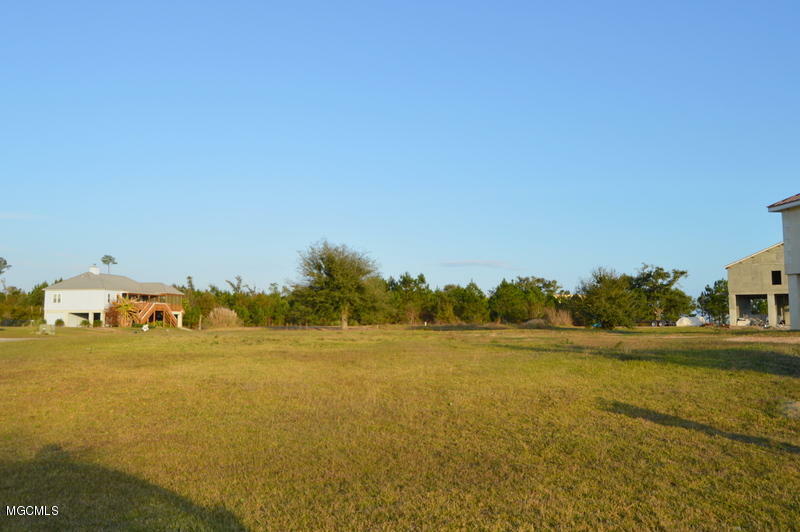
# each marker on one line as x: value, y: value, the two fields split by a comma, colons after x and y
x: 794, y: 301
x: 733, y: 310
x: 772, y: 311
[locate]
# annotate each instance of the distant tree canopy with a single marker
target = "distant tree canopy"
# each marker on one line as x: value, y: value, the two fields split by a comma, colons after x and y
x: 523, y: 299
x: 339, y: 285
x: 4, y: 265
x: 410, y: 298
x: 713, y: 301
x: 18, y: 306
x: 468, y: 303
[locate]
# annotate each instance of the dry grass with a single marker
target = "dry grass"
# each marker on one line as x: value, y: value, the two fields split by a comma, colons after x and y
x: 222, y: 318
x: 396, y: 429
x: 558, y: 317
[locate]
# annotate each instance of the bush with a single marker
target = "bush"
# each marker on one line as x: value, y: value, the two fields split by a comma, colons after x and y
x: 59, y: 322
x: 97, y: 323
x: 222, y: 318
x: 84, y: 323
x: 112, y: 316
x: 535, y: 323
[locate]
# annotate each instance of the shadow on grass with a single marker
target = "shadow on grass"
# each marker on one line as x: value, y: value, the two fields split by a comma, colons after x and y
x: 618, y: 332
x: 770, y: 362
x: 667, y: 420
x: 91, y: 497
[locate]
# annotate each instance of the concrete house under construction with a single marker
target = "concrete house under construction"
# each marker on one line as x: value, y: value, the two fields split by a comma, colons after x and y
x: 758, y: 290
x: 765, y: 286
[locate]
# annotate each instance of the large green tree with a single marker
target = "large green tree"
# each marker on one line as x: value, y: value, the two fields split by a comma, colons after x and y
x: 663, y: 299
x: 335, y: 278
x: 607, y: 300
x: 713, y: 301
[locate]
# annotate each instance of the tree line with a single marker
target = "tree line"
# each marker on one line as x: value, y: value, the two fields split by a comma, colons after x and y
x: 338, y: 285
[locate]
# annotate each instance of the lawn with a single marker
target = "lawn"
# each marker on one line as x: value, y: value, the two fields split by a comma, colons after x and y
x: 394, y: 428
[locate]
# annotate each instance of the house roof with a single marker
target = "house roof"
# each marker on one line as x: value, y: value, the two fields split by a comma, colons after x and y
x: 159, y: 288
x: 753, y: 255
x: 105, y: 281
x: 788, y: 203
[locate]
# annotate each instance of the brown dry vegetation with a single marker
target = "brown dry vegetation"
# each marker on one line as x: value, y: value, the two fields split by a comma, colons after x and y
x: 222, y: 318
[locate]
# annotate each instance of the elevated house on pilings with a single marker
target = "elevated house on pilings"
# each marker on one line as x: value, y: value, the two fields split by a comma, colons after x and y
x: 90, y: 295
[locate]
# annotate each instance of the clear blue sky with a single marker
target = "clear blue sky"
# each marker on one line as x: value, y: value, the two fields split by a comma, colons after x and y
x: 464, y: 140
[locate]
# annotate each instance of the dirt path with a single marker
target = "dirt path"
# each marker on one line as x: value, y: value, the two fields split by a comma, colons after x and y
x: 767, y: 339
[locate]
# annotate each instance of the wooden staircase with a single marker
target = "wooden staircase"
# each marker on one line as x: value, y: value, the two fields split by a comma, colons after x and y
x: 147, y: 308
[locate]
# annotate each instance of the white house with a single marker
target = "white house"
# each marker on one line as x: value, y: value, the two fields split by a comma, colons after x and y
x: 86, y: 297
x: 790, y: 213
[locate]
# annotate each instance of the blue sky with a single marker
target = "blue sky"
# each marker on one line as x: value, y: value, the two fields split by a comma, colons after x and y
x: 464, y: 140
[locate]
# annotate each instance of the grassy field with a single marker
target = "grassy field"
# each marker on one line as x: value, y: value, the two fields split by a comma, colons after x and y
x: 388, y: 429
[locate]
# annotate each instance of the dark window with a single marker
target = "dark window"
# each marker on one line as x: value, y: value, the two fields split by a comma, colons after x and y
x: 776, y: 277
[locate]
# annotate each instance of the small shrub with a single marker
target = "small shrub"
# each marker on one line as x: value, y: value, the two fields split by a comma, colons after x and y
x: 59, y: 322
x: 222, y: 318
x: 536, y: 323
x: 84, y: 323
x: 112, y: 316
x: 97, y: 323
x: 9, y: 322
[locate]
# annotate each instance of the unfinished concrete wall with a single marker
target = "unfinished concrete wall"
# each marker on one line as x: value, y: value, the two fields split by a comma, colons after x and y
x: 753, y: 276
